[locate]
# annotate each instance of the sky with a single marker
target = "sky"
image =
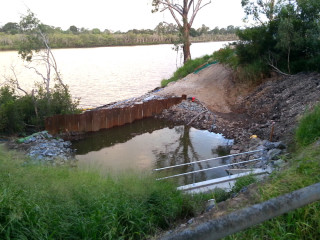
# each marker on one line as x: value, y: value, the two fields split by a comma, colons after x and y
x: 115, y: 15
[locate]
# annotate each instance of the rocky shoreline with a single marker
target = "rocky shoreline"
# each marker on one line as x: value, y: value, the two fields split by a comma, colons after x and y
x: 45, y: 148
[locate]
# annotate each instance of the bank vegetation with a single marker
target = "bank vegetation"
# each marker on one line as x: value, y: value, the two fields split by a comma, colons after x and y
x: 12, y: 36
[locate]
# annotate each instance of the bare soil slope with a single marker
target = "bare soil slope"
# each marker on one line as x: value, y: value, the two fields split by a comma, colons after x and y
x: 214, y: 86
x: 241, y: 111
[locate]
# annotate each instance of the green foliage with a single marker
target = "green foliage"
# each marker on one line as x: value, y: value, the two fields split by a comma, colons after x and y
x: 73, y: 29
x: 252, y: 73
x: 308, y: 129
x: 289, y: 41
x: 41, y: 202
x: 220, y: 195
x: 10, y: 118
x: 227, y: 56
x: 19, y: 112
x: 243, y: 182
x: 189, y: 67
x: 25, y: 36
x: 10, y: 28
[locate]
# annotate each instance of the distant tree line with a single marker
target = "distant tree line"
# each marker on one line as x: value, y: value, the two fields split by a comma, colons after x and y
x: 12, y: 34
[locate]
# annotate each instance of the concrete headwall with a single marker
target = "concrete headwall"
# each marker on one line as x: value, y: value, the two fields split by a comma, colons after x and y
x: 92, y: 121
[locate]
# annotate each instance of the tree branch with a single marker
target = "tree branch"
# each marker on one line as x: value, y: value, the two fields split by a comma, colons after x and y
x: 15, y: 80
x: 197, y: 9
x: 173, y: 14
x: 37, y: 72
x: 171, y: 6
x: 190, y: 3
x: 271, y: 64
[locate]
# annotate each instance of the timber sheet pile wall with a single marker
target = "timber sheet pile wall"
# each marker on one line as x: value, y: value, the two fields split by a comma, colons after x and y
x: 96, y: 120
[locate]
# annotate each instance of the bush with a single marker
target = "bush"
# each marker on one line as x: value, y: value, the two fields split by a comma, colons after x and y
x: 11, y: 119
x: 308, y: 129
x: 252, y: 73
x: 227, y: 56
x: 20, y: 113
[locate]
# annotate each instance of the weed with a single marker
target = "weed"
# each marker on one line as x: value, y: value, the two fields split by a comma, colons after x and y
x: 243, y: 182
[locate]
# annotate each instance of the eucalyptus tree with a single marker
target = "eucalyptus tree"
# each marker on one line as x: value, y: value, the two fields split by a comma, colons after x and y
x: 188, y: 10
x: 36, y: 49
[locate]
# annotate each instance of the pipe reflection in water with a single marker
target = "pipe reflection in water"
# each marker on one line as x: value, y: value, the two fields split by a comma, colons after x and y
x: 150, y: 143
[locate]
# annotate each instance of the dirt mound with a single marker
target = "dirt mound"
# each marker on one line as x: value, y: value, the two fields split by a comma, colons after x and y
x: 281, y: 101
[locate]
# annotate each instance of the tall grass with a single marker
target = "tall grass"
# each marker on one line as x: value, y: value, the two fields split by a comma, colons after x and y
x: 42, y: 202
x: 309, y: 127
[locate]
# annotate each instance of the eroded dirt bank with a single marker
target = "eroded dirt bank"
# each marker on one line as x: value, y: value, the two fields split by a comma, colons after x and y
x: 239, y: 111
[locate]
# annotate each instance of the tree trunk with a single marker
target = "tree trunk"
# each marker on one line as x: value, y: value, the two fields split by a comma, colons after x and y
x: 186, y: 35
x: 186, y: 44
x: 288, y: 60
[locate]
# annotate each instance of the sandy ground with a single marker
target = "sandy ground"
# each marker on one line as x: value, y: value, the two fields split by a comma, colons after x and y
x: 214, y: 86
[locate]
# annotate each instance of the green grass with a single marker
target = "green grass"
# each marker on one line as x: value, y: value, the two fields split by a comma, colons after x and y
x: 251, y: 74
x: 243, y: 182
x: 302, y: 223
x: 309, y: 127
x: 43, y: 202
x: 189, y: 67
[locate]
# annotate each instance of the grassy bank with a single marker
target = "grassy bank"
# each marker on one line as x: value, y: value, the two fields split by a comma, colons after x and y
x: 42, y: 202
x: 303, y: 170
x: 189, y: 67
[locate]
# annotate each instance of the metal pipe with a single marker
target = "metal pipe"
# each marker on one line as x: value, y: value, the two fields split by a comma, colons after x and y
x: 202, y: 170
x: 206, y: 160
x: 250, y: 216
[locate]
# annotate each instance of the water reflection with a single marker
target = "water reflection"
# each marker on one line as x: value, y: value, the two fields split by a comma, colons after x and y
x: 150, y: 143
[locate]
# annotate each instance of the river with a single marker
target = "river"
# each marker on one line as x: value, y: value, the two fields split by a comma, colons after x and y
x: 102, y: 75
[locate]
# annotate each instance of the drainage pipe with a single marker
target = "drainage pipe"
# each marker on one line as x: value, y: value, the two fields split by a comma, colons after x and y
x: 250, y: 216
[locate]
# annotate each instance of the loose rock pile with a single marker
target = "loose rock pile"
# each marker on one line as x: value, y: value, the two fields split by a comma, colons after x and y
x: 43, y: 147
x: 131, y: 101
x: 270, y: 154
x: 188, y: 112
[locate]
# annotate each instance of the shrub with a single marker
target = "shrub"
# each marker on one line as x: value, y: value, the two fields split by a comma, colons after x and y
x: 19, y: 113
x: 227, y: 56
x: 252, y: 73
x: 11, y: 119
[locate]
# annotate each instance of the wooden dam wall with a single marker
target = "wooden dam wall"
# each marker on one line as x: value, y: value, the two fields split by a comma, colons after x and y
x: 95, y: 120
